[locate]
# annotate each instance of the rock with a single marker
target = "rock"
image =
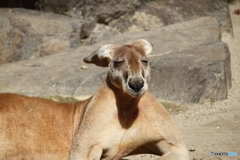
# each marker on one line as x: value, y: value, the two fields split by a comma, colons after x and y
x: 99, y: 11
x: 192, y: 150
x: 171, y: 12
x: 189, y: 64
x: 28, y: 34
x: 107, y: 18
x: 54, y: 75
x: 83, y: 67
x: 192, y: 75
x: 93, y: 12
x: 101, y: 20
x: 174, y: 37
x: 115, y: 17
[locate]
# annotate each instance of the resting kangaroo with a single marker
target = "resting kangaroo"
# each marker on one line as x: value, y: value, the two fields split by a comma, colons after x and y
x: 120, y: 119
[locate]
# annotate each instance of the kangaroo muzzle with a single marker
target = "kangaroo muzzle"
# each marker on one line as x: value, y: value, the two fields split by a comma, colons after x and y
x: 136, y: 86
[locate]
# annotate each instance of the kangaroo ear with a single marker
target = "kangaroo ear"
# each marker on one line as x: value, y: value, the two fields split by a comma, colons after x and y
x: 102, y: 56
x: 144, y: 44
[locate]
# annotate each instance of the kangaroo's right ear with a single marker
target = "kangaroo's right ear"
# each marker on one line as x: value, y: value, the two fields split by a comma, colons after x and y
x: 102, y: 56
x: 145, y: 45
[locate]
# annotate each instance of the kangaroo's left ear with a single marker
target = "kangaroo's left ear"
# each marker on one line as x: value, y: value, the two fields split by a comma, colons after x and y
x: 144, y: 44
x: 102, y: 56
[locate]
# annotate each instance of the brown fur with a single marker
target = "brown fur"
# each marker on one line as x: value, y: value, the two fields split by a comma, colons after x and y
x: 115, y: 122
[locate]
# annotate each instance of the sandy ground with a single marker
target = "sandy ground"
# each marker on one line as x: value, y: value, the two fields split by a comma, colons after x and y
x: 213, y: 126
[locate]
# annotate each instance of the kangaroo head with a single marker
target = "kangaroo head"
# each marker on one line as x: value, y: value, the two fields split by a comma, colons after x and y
x: 128, y: 65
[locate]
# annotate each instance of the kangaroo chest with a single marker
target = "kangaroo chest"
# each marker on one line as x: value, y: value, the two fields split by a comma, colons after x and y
x: 124, y: 136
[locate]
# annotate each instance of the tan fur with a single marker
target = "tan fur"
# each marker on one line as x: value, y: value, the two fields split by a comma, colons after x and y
x: 120, y: 119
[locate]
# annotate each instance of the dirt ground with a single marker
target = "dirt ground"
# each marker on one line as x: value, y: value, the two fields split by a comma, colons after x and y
x: 213, y: 126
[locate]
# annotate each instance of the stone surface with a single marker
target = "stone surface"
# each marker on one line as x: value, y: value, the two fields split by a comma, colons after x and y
x: 180, y: 36
x: 189, y: 64
x: 28, y: 34
x: 108, y: 18
x: 54, y: 75
x: 192, y: 75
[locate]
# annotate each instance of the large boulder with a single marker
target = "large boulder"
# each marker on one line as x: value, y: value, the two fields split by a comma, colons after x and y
x: 181, y: 36
x: 189, y: 64
x: 193, y: 75
x: 107, y: 18
x: 63, y: 74
x: 28, y: 34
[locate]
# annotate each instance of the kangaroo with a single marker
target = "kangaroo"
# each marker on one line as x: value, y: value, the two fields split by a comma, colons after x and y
x: 122, y: 118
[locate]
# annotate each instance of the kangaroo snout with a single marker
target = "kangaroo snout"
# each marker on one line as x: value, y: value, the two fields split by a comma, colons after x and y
x: 136, y: 84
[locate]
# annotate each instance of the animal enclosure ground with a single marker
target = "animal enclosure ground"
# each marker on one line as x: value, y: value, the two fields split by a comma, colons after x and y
x: 213, y: 126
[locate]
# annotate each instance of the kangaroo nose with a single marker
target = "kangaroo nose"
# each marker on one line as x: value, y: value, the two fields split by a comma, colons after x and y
x: 136, y: 86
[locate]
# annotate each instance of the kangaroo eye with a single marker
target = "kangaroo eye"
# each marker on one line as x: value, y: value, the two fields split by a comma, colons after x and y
x: 145, y: 61
x: 117, y: 63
